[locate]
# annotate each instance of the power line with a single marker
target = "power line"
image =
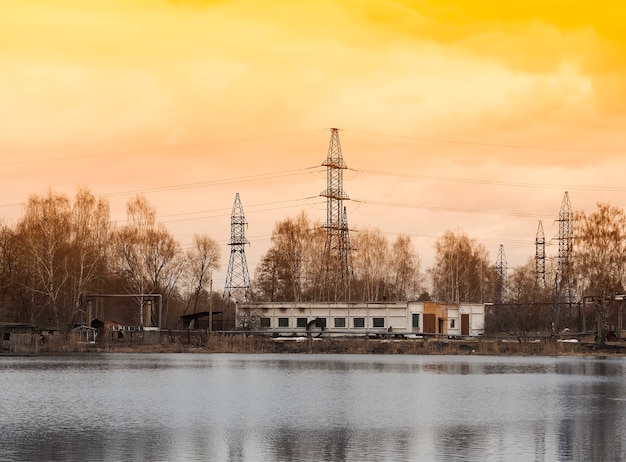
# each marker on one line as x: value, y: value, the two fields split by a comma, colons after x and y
x: 495, y: 145
x: 257, y: 177
x: 223, y: 212
x: 491, y: 182
x: 452, y: 209
x: 201, y: 184
x: 150, y: 150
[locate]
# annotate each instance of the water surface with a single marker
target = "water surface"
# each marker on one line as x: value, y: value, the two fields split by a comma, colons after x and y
x: 311, y: 407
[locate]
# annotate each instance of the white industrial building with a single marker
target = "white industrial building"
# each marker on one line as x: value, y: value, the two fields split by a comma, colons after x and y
x: 350, y: 318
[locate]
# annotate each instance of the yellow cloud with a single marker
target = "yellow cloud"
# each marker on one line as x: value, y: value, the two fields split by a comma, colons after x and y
x: 181, y: 66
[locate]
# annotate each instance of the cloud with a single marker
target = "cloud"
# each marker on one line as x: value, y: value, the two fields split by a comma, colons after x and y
x: 525, y: 36
x: 198, y: 3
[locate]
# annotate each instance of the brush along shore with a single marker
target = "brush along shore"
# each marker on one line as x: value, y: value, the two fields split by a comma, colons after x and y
x: 221, y: 343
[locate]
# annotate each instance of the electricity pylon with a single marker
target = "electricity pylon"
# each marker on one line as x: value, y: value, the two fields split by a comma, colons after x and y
x: 540, y: 256
x: 501, y: 277
x: 564, y: 277
x: 564, y: 281
x: 336, y: 259
x: 237, y: 286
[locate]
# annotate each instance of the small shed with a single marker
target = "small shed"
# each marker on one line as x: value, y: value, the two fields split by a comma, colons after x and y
x: 16, y: 335
x: 201, y: 320
x: 85, y: 333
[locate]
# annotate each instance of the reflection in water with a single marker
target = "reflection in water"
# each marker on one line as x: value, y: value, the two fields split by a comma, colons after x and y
x: 330, y: 444
x: 235, y: 445
x: 593, y: 433
x: 469, y: 441
x: 309, y: 407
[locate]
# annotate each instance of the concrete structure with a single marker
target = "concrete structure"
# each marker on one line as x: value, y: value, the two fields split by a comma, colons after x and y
x: 466, y: 319
x: 343, y: 318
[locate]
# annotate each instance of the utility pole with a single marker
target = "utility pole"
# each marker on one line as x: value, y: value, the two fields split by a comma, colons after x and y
x: 211, y: 304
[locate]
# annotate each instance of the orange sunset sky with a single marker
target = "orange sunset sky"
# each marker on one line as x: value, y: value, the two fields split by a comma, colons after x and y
x: 461, y: 115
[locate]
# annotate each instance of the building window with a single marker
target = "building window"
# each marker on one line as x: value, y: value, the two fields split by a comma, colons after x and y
x: 340, y: 322
x: 321, y: 322
x: 415, y: 320
x: 265, y: 322
x: 451, y: 323
x: 283, y: 322
x: 301, y: 322
x: 378, y: 322
x: 359, y: 322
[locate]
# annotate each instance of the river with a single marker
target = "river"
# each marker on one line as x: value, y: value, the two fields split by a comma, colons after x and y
x: 231, y: 407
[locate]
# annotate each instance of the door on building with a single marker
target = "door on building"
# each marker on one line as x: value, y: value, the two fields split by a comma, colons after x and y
x: 429, y: 323
x: 464, y: 324
x: 440, y: 325
x: 415, y: 322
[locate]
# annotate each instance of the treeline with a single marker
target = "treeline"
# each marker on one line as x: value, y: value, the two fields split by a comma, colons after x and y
x: 463, y: 271
x: 382, y: 270
x: 62, y: 249
x: 293, y: 267
x: 578, y: 295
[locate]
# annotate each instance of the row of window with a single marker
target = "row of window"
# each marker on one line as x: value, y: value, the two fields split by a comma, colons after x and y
x: 339, y: 322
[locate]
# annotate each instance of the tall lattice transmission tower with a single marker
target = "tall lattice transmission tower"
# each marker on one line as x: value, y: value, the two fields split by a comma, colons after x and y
x: 564, y: 281
x: 540, y: 256
x: 337, y: 265
x: 237, y: 286
x: 501, y: 286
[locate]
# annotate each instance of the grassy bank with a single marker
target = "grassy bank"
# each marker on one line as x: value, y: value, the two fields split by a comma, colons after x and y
x: 361, y: 345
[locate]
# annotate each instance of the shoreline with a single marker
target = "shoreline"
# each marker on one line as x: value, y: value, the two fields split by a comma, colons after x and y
x: 364, y: 345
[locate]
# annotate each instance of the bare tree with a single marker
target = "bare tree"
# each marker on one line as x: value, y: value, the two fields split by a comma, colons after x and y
x: 527, y: 311
x: 201, y: 260
x: 404, y: 270
x: 524, y: 286
x: 148, y: 255
x: 89, y: 244
x: 599, y: 259
x: 462, y: 271
x: 10, y: 290
x: 290, y: 269
x: 289, y: 238
x: 370, y: 263
x: 266, y: 276
x: 43, y: 236
x: 600, y: 250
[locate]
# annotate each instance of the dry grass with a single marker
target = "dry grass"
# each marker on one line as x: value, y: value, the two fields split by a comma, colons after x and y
x: 239, y: 343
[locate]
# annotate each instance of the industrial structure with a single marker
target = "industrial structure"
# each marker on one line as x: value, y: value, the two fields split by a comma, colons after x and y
x: 237, y: 286
x: 501, y: 282
x: 337, y: 262
x: 384, y: 318
x: 563, y: 283
x: 540, y: 256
